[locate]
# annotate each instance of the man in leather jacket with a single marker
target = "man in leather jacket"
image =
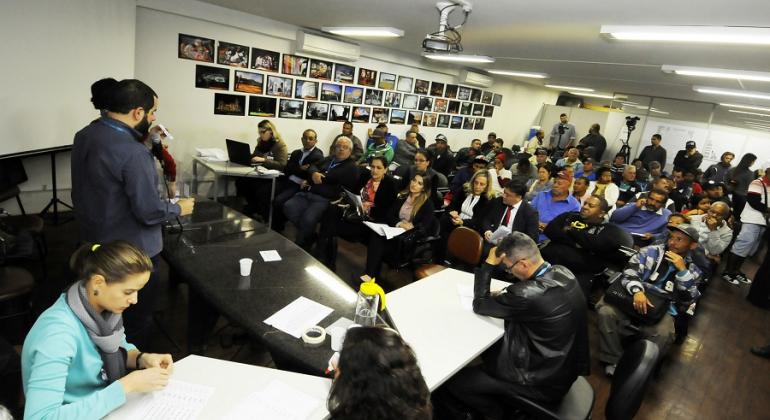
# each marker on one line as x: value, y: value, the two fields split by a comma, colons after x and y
x: 545, y: 344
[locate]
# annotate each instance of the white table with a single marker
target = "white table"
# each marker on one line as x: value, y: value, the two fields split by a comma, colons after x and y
x: 229, y: 169
x: 232, y: 383
x: 444, y: 335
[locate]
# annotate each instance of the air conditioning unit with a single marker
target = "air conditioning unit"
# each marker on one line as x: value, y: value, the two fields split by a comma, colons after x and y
x: 326, y: 47
x: 468, y: 77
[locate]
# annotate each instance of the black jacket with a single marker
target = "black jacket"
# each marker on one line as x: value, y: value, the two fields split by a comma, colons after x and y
x: 687, y: 162
x: 293, y: 166
x: 545, y: 343
x: 527, y: 218
x: 383, y: 198
x: 594, y: 145
x: 584, y: 248
x: 443, y: 163
x: 424, y: 221
x: 479, y: 210
x: 343, y: 174
x: 653, y: 154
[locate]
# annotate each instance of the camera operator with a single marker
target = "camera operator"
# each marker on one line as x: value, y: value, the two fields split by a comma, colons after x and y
x: 562, y: 136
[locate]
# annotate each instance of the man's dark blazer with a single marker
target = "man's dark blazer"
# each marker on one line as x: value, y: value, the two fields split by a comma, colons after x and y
x: 526, y: 220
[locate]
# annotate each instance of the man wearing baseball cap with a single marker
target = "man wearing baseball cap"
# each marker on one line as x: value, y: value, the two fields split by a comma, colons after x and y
x: 443, y: 158
x: 669, y: 269
x: 688, y: 159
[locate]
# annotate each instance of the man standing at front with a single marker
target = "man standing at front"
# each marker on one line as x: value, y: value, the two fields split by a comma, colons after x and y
x: 114, y: 188
x: 545, y: 343
x: 689, y: 159
x: 562, y: 135
x: 653, y: 153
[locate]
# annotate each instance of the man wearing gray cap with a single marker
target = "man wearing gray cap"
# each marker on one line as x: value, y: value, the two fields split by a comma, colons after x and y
x: 443, y: 158
x: 688, y: 159
x: 669, y: 270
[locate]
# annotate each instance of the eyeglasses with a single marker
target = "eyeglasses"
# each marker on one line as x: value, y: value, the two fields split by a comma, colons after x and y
x: 510, y: 267
x: 263, y: 130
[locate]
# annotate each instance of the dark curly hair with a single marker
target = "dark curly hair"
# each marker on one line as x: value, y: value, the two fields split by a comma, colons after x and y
x: 378, y: 379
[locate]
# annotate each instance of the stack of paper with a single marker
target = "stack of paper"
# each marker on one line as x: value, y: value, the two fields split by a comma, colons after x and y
x: 178, y: 401
x: 277, y: 401
x: 384, y: 230
x: 295, y: 318
x: 212, y: 154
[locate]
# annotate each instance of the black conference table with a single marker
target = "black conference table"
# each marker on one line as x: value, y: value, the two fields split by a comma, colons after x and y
x: 205, y: 255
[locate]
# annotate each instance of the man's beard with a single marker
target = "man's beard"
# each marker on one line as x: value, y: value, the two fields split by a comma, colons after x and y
x: 143, y: 127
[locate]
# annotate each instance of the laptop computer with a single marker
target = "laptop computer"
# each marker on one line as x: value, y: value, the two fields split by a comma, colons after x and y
x: 239, y: 152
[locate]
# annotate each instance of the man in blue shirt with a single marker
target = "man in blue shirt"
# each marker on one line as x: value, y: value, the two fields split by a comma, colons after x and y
x: 645, y: 218
x: 558, y: 200
x: 114, y: 186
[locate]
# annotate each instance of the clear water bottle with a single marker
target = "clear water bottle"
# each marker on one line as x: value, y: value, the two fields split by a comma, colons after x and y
x: 370, y: 296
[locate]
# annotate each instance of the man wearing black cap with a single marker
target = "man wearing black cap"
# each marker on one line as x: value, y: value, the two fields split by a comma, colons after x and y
x: 688, y: 159
x: 490, y: 144
x: 669, y: 269
x: 443, y: 158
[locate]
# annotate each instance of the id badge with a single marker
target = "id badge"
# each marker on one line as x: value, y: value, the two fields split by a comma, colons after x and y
x: 669, y: 286
x: 654, y: 276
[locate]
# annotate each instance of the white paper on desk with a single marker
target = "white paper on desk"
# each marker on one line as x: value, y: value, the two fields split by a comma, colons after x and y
x: 296, y: 317
x: 212, y: 154
x: 271, y: 255
x: 179, y: 400
x: 384, y: 230
x: 501, y: 232
x: 264, y: 171
x: 277, y: 401
x: 465, y: 292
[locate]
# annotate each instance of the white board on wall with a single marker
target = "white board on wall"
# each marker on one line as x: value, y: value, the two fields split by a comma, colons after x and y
x: 675, y: 134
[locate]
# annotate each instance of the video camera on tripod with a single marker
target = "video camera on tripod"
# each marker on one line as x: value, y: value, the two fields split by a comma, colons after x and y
x: 631, y: 126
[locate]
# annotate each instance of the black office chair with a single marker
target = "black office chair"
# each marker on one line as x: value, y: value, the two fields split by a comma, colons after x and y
x: 629, y: 383
x: 576, y: 404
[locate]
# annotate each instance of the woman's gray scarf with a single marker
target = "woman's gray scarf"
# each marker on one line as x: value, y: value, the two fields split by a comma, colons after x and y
x: 106, y: 331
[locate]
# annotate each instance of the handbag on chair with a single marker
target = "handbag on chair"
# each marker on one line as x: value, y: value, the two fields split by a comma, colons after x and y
x: 618, y: 296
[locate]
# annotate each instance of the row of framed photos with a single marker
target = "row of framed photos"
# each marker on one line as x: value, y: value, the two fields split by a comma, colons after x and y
x: 202, y: 49
x: 218, y: 78
x: 270, y: 107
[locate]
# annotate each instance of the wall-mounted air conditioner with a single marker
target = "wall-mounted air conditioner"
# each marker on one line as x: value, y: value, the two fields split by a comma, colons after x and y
x: 468, y: 77
x: 326, y: 47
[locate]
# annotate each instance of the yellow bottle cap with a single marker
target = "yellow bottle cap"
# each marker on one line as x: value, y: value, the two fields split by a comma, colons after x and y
x: 370, y: 288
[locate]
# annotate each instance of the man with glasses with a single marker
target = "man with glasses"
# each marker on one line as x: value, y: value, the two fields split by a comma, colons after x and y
x: 645, y: 218
x: 545, y: 343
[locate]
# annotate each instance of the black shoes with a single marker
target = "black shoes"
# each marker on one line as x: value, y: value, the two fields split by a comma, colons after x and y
x: 761, y: 351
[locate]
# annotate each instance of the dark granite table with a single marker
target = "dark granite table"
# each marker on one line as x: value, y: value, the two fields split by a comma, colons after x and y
x: 206, y: 255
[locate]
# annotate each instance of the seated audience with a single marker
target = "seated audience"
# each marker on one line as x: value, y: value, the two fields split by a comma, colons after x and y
x: 582, y: 189
x: 404, y: 154
x: 379, y: 359
x: 327, y: 178
x: 715, y: 235
x: 270, y: 153
x: 543, y: 182
x: 588, y: 170
x: 524, y: 171
x: 701, y: 208
x: 645, y: 218
x: 617, y: 167
x: 422, y: 166
x: 443, y: 158
x: 512, y: 211
x: 466, y: 155
x: 76, y: 363
x: 503, y: 175
x: 378, y: 146
x: 664, y: 184
x: 378, y: 192
x: 550, y: 204
x: 670, y: 270
x: 540, y: 157
x: 295, y: 175
x: 604, y: 187
x: 628, y: 187
x: 571, y: 160
x: 497, y: 148
x: 490, y: 144
x: 656, y: 171
x: 531, y: 145
x: 391, y: 139
x: 545, y: 344
x: 466, y: 209
x: 420, y: 139
x: 716, y: 192
x: 464, y: 175
x: 347, y: 131
x: 413, y: 212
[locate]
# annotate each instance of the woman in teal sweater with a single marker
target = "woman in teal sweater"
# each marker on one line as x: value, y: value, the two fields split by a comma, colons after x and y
x: 75, y: 358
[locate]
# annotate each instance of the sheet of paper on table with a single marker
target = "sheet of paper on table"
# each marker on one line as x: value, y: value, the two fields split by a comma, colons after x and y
x: 296, y: 317
x: 179, y: 400
x: 212, y: 154
x: 271, y: 255
x: 465, y: 293
x: 277, y: 401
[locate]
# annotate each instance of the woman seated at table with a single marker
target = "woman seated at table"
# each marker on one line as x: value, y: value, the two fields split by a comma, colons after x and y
x: 413, y: 212
x: 378, y: 192
x: 604, y: 187
x: 75, y: 359
x: 271, y: 153
x: 377, y: 378
x: 543, y: 182
x: 467, y: 209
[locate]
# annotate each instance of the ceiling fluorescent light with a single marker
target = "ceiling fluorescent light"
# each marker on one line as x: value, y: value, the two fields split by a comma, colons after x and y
x: 374, y: 31
x: 460, y: 58
x: 731, y: 92
x: 519, y: 74
x: 748, y: 113
x: 717, y: 73
x: 570, y: 88
x: 697, y: 34
x: 593, y: 95
x: 755, y: 108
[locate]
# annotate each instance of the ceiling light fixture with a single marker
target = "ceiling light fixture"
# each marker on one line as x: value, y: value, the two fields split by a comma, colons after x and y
x: 748, y: 113
x: 755, y: 108
x: 593, y: 95
x: 459, y: 58
x: 570, y: 88
x: 363, y: 31
x: 519, y: 74
x: 731, y: 92
x: 695, y: 34
x: 659, y: 111
x: 757, y: 76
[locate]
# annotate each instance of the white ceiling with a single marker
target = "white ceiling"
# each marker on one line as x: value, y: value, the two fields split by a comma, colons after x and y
x: 560, y: 38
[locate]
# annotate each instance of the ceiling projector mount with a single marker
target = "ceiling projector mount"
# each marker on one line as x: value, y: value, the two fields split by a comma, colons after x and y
x: 447, y: 39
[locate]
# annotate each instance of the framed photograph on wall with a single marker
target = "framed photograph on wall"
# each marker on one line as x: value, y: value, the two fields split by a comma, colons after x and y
x: 305, y: 89
x: 464, y: 93
x: 425, y: 104
x: 344, y: 73
x: 373, y: 97
x: 475, y: 95
x: 429, y: 119
x: 421, y: 87
x: 339, y: 112
x: 291, y: 108
x: 392, y: 99
x: 440, y: 105
x: 479, y: 124
x: 468, y: 123
x: 451, y: 91
x: 232, y: 55
x: 317, y: 111
x: 320, y: 69
x: 457, y: 122
x: 443, y: 121
x: 262, y: 106
x: 414, y: 117
x: 488, y: 110
x: 331, y: 92
x: 207, y: 77
x: 398, y: 116
x: 295, y: 65
x: 404, y: 84
x: 353, y: 95
x: 196, y: 48
x: 361, y: 114
x: 497, y: 99
x: 380, y: 115
x: 265, y: 60
x: 367, y: 77
x: 279, y: 86
x: 387, y: 81
x: 436, y: 89
x: 486, y: 97
x: 466, y: 108
x: 225, y: 104
x: 454, y: 107
x: 246, y: 81
x: 409, y: 101
x: 478, y: 109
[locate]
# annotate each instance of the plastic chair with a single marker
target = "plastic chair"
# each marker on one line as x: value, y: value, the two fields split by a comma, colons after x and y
x: 577, y: 404
x: 631, y: 378
x: 464, y: 245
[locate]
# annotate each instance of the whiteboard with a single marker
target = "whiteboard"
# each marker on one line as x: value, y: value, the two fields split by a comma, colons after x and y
x: 675, y: 134
x: 720, y: 141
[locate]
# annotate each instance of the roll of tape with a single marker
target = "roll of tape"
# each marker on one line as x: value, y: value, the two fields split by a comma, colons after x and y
x: 314, y: 335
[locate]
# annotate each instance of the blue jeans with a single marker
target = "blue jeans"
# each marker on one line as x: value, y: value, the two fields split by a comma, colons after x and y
x: 305, y: 210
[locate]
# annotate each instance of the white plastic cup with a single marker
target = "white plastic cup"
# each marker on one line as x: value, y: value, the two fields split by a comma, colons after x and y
x: 338, y: 337
x: 246, y: 266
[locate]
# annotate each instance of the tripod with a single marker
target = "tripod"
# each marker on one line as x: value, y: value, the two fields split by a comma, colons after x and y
x: 626, y: 149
